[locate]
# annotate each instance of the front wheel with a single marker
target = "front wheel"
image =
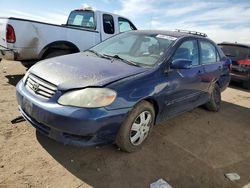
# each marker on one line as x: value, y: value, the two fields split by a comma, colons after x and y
x: 214, y: 102
x: 136, y: 128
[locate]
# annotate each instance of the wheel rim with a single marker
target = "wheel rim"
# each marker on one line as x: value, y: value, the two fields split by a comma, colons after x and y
x: 140, y: 128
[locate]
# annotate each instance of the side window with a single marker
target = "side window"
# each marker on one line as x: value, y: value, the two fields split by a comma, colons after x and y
x: 125, y: 25
x: 208, y: 53
x: 188, y: 50
x: 108, y: 24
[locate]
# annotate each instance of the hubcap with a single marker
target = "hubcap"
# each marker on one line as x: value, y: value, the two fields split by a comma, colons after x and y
x: 140, y: 128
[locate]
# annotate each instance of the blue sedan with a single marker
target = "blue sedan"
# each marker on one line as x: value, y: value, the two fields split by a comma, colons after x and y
x: 117, y: 90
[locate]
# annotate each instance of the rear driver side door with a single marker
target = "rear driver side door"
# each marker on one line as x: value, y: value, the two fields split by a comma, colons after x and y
x: 211, y: 63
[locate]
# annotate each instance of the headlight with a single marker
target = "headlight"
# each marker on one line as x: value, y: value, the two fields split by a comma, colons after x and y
x: 26, y: 76
x: 88, y: 98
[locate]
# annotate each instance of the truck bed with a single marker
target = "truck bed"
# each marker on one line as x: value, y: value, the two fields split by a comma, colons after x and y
x: 32, y: 37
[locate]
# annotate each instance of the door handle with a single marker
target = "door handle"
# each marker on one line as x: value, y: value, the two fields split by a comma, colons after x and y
x: 199, y: 72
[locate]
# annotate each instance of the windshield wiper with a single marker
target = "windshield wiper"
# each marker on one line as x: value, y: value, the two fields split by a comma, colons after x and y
x: 122, y: 59
x: 97, y: 54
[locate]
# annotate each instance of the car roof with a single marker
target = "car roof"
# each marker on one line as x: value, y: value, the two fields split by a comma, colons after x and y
x: 177, y: 34
x: 235, y: 44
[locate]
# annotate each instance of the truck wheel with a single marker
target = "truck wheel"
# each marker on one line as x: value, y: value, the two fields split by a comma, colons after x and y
x: 246, y: 84
x: 214, y: 102
x: 136, y: 128
x: 56, y: 53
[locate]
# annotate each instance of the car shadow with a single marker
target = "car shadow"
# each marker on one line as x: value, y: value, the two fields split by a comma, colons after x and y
x: 238, y: 86
x: 183, y: 151
x: 14, y: 79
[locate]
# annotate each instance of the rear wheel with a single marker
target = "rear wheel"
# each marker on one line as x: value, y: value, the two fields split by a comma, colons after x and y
x: 136, y: 128
x: 214, y: 102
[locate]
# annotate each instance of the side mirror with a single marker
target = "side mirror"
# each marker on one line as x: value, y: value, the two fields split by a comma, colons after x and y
x: 181, y: 64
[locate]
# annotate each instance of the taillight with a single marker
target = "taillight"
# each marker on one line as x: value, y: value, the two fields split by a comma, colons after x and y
x: 10, y: 34
x: 245, y: 62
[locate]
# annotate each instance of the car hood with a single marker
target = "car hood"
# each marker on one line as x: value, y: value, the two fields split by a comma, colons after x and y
x: 82, y: 70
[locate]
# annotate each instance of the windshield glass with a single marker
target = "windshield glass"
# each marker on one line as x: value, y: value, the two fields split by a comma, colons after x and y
x: 139, y: 48
x: 82, y: 19
x: 235, y: 52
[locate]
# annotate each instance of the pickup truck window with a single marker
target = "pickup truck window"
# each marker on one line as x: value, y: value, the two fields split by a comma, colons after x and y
x: 108, y: 24
x: 82, y: 19
x: 125, y: 25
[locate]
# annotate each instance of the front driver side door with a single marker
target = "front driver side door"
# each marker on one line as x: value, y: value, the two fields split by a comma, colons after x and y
x: 185, y: 89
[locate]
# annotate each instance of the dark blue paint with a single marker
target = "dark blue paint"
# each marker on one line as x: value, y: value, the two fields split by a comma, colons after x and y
x: 172, y: 91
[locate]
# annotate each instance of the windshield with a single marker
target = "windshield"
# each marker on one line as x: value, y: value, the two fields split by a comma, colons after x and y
x: 82, y: 19
x: 235, y: 52
x: 139, y: 48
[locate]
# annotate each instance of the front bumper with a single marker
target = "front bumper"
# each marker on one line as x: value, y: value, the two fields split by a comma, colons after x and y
x: 69, y: 125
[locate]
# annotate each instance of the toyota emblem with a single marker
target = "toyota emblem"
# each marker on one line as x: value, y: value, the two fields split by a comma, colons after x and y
x: 35, y: 87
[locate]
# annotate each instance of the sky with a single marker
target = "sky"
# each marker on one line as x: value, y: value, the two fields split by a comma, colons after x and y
x: 221, y: 20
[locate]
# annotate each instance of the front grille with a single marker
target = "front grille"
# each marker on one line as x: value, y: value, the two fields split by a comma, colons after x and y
x: 40, y: 87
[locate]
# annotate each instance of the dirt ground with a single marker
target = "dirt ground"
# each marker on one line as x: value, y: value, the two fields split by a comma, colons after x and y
x: 194, y: 149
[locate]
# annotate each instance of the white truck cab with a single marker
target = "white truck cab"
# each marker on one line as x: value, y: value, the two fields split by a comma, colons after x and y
x: 24, y: 40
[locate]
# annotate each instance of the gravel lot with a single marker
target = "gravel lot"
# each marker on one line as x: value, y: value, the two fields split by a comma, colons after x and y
x: 194, y: 149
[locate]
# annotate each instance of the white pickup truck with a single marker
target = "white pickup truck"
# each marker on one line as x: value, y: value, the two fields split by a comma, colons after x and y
x: 23, y: 40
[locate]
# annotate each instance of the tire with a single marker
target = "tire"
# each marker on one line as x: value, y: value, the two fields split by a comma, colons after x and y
x: 28, y: 64
x: 214, y: 102
x: 56, y: 53
x: 246, y: 84
x: 136, y: 128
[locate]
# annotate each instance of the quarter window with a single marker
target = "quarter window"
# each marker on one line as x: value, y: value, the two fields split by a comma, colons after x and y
x: 108, y: 24
x: 217, y: 56
x: 125, y: 25
x: 208, y: 53
x: 188, y: 50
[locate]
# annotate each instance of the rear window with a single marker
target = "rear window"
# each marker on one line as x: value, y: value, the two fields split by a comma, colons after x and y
x: 235, y: 52
x: 83, y: 19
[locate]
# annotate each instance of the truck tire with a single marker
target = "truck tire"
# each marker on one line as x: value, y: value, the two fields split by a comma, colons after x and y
x: 29, y: 63
x: 136, y: 128
x: 56, y: 53
x: 214, y: 102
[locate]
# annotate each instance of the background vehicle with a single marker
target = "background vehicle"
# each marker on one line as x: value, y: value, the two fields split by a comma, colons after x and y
x: 22, y: 39
x: 240, y: 56
x: 119, y: 89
